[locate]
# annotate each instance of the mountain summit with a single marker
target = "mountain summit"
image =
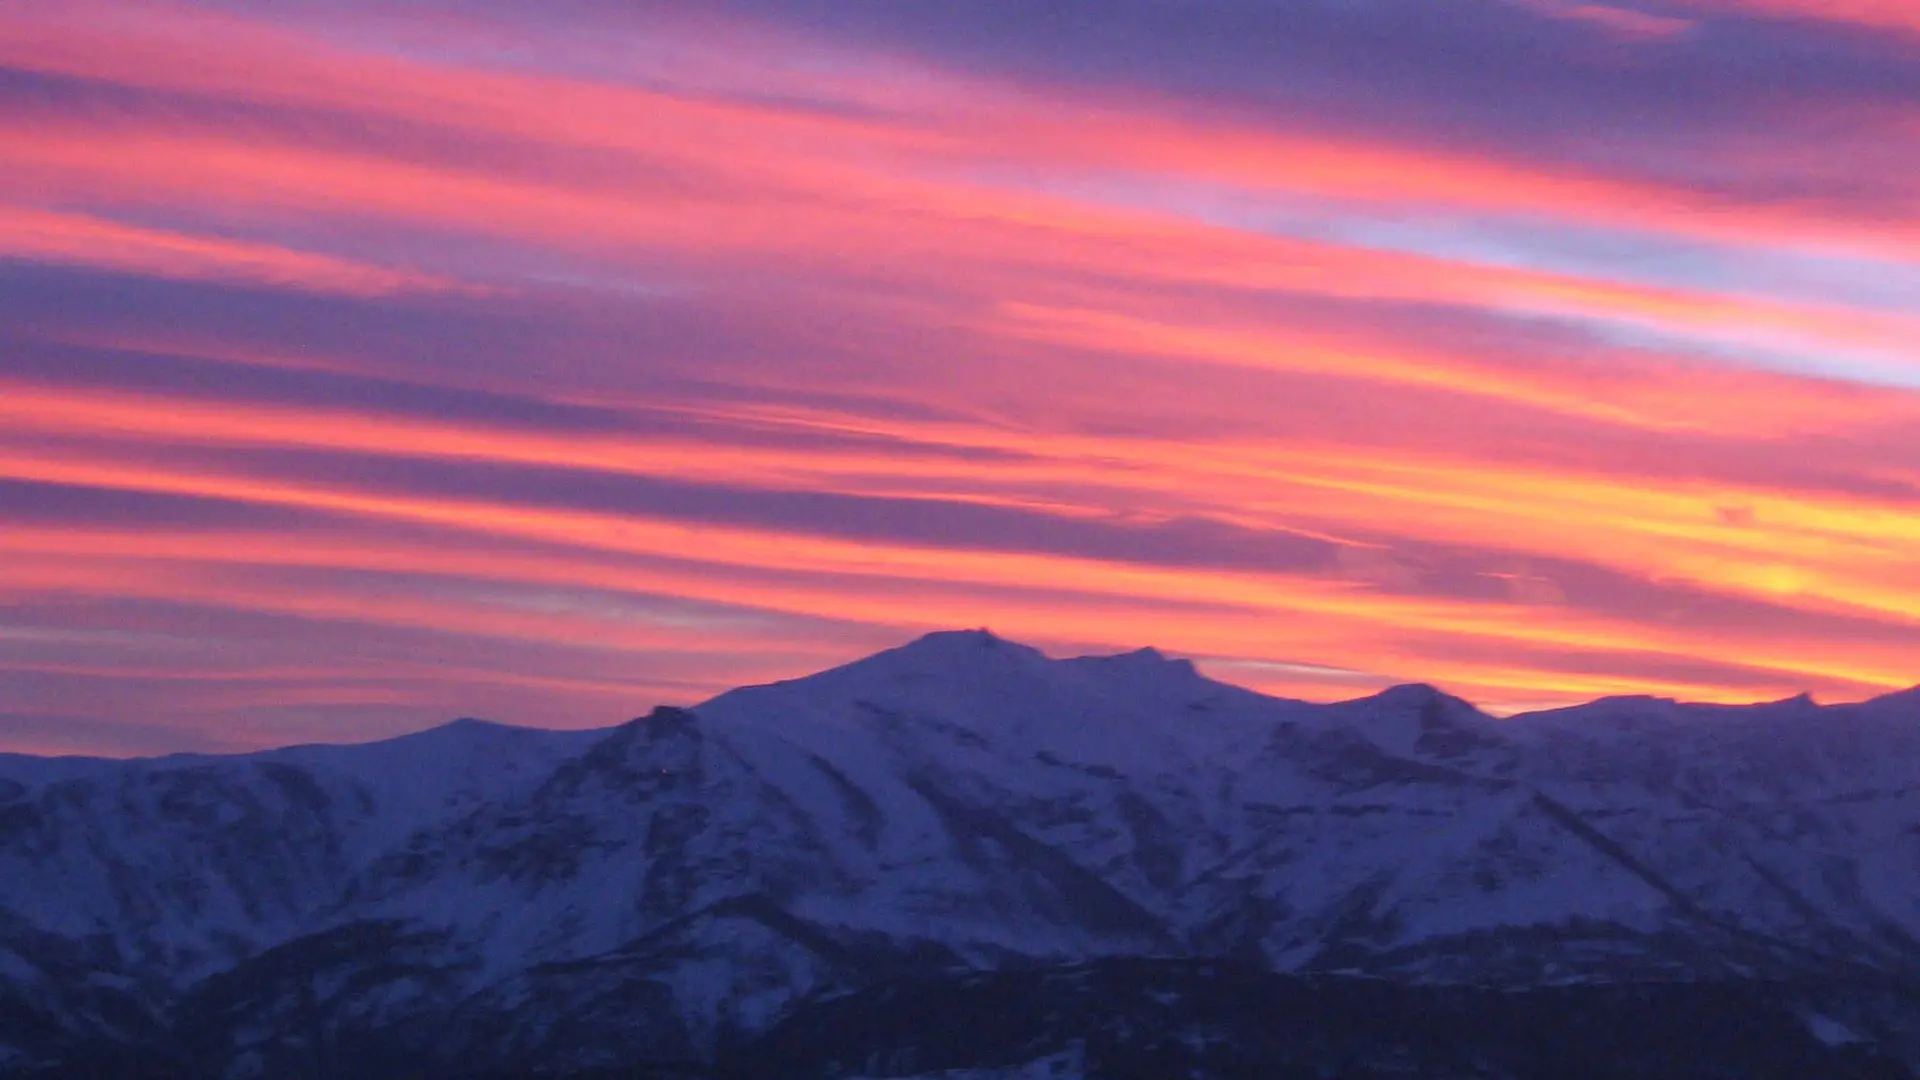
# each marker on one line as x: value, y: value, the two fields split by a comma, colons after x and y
x: 814, y: 877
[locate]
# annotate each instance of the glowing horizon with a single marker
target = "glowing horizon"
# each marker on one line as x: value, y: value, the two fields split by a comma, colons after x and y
x: 364, y: 368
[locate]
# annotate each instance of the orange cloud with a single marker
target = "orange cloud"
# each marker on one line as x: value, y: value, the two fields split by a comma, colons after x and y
x: 1011, y: 240
x: 957, y: 123
x: 78, y: 239
x: 1623, y: 22
x: 1630, y: 392
x: 1877, y: 14
x: 888, y: 582
x: 1069, y: 343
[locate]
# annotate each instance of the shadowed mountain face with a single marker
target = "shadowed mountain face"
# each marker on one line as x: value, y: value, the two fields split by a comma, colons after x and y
x: 1098, y: 863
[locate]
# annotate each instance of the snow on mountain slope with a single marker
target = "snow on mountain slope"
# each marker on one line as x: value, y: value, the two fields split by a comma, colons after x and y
x: 187, y: 863
x: 961, y: 801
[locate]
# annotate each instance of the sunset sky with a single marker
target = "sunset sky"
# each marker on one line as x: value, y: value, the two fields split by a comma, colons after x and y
x: 364, y: 365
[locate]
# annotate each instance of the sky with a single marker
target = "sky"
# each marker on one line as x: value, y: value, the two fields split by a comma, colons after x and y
x: 365, y: 365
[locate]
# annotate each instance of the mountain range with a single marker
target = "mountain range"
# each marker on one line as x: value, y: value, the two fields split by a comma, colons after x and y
x: 960, y: 858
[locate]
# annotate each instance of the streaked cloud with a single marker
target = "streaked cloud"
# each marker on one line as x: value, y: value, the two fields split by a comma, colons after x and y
x: 360, y: 367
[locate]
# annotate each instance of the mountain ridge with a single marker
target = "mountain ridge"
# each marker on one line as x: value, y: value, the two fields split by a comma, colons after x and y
x: 931, y: 645
x: 671, y: 889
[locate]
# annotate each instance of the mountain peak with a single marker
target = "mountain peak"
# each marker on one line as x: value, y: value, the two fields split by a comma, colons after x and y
x: 474, y: 725
x: 464, y: 731
x: 947, y: 641
x: 1147, y: 662
x: 1145, y: 657
x: 954, y: 651
x: 1418, y: 695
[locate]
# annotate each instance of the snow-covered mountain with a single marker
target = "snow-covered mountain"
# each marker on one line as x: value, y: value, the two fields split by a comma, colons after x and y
x: 480, y: 898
